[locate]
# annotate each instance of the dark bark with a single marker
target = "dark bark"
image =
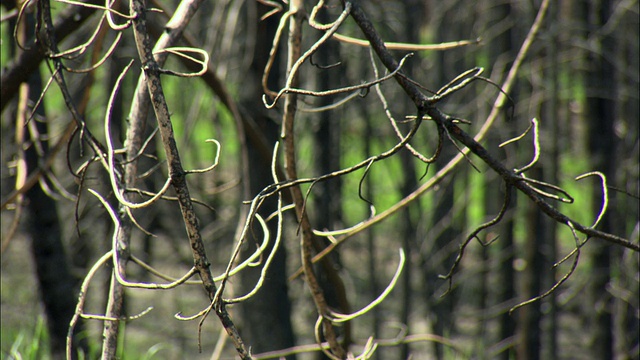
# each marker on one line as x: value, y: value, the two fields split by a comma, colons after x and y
x: 601, y: 117
x: 499, y: 47
x: 413, y: 13
x: 445, y: 230
x: 327, y: 138
x: 266, y: 316
x: 627, y: 333
x: 550, y: 125
x: 57, y: 285
x: 530, y: 316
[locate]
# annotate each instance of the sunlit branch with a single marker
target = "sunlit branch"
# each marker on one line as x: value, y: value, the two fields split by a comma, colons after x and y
x: 181, y: 52
x: 366, y: 85
x: 385, y: 106
x: 82, y: 297
x: 116, y: 269
x: 112, y: 172
x: 574, y: 265
x: 605, y: 194
x: 123, y: 318
x: 406, y: 46
x: 338, y: 318
x: 215, y: 161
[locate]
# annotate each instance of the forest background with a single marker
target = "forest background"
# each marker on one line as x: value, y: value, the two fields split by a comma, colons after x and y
x: 440, y: 250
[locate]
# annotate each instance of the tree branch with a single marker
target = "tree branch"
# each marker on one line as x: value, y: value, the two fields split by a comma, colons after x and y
x: 422, y: 101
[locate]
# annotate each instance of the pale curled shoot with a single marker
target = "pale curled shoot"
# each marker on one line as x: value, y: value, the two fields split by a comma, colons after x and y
x: 519, y: 137
x: 82, y: 297
x: 267, y: 263
x: 114, y: 243
x: 108, y: 10
x: 183, y: 53
x: 110, y: 152
x: 474, y: 235
x: 369, y: 348
x: 564, y: 278
x: 124, y: 318
x: 183, y: 280
x: 56, y: 190
x: 312, y: 18
x: 255, y: 204
x: 169, y: 198
x: 277, y: 7
x: 81, y: 48
x: 458, y: 83
x: 536, y: 145
x: 603, y: 210
x: 16, y: 38
x: 317, y: 332
x: 408, y: 46
x: 204, y: 312
x: 340, y: 318
x: 284, y: 208
x: 101, y: 61
x: 365, y: 85
x: 333, y: 106
x: 567, y: 199
x: 332, y: 233
x: 387, y: 111
x: 253, y: 214
x: 142, y: 150
x: 272, y: 53
x: 215, y: 161
x: 112, y: 23
x: 248, y: 262
x: 293, y: 73
x: 605, y: 194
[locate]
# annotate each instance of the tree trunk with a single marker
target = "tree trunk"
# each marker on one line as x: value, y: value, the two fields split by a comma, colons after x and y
x: 601, y: 116
x: 266, y: 316
x: 56, y: 283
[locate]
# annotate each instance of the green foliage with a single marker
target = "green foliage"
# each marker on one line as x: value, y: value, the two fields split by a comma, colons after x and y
x: 5, y: 33
x: 475, y: 202
x: 29, y: 344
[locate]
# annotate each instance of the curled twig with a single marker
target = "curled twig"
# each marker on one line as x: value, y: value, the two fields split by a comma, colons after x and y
x: 562, y: 280
x: 338, y: 318
x: 365, y: 85
x: 605, y: 194
x: 182, y: 52
x: 406, y: 46
x: 474, y: 234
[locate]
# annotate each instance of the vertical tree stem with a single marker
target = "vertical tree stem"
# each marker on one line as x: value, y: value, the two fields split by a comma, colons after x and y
x: 288, y: 138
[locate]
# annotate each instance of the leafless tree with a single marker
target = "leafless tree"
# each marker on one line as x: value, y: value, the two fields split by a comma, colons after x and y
x: 260, y: 220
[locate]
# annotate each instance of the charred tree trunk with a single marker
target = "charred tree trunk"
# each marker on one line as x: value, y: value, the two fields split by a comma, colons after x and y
x: 266, y: 316
x: 601, y: 118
